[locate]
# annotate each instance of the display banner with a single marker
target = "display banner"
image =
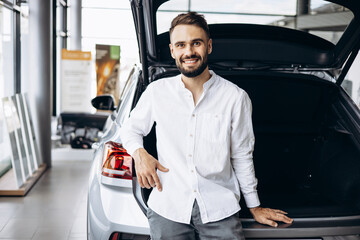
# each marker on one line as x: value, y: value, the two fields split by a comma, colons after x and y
x: 30, y: 126
x: 108, y: 70
x: 25, y: 133
x: 13, y: 125
x: 20, y: 140
x: 75, y: 81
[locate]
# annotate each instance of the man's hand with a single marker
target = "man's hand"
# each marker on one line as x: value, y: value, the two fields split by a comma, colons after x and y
x: 145, y: 166
x: 268, y: 216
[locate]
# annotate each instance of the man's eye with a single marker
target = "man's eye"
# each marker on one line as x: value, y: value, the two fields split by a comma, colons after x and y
x: 197, y: 43
x: 180, y: 45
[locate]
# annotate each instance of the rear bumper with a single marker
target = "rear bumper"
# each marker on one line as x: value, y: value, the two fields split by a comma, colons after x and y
x: 112, y: 209
x: 306, y: 228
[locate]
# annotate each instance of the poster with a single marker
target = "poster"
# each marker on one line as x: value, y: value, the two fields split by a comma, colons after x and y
x: 30, y: 126
x: 108, y: 70
x: 25, y: 133
x: 13, y: 126
x: 20, y: 140
x: 75, y: 81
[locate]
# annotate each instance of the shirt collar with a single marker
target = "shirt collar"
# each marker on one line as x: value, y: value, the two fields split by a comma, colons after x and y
x: 206, y: 85
x: 211, y: 81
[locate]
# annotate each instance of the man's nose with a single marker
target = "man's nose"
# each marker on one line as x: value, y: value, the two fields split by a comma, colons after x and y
x: 189, y: 51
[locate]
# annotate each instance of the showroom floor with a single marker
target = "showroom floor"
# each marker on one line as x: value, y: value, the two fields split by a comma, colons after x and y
x: 54, y: 209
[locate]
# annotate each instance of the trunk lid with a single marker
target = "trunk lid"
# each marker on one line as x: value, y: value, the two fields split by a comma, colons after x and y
x: 252, y: 46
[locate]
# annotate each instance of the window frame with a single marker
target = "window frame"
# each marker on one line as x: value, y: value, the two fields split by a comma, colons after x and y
x: 62, y: 34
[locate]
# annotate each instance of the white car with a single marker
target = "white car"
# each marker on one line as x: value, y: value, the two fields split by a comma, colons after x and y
x: 307, y: 128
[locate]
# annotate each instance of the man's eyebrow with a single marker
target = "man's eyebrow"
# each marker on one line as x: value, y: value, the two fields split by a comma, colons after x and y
x: 178, y: 42
x: 197, y: 40
x: 193, y: 40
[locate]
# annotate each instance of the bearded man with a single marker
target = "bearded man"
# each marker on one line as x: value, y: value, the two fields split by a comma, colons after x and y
x: 205, y: 143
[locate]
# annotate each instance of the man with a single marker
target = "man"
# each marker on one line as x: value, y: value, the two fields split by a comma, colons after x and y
x: 204, y: 141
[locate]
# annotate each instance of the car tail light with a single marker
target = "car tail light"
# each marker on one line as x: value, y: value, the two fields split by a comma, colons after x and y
x: 115, y: 236
x: 117, y: 163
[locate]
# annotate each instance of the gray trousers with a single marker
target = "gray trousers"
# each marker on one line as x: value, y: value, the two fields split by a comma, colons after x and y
x: 164, y: 229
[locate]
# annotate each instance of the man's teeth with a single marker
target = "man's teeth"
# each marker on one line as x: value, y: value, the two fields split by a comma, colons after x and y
x: 192, y: 61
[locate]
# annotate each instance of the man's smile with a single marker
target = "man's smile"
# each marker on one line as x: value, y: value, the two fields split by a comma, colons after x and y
x: 192, y: 65
x: 190, y: 61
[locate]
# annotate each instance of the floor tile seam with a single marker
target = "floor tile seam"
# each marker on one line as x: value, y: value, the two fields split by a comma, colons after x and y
x: 39, y: 228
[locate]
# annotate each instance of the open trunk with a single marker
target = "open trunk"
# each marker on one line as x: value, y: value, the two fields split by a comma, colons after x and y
x: 307, y: 157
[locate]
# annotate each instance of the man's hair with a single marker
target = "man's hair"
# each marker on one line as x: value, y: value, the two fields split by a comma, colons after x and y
x: 190, y: 18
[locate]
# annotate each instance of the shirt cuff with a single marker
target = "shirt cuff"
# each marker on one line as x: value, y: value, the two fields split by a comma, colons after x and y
x: 132, y: 148
x: 252, y: 200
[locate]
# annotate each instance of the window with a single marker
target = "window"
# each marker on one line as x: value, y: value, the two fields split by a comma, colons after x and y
x: 228, y: 11
x: 24, y: 42
x: 6, y: 52
x: 110, y: 22
x: 317, y: 20
x: 61, y: 42
x: 10, y: 65
x: 351, y: 83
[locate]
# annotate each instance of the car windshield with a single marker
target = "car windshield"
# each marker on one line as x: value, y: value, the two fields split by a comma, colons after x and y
x: 322, y: 18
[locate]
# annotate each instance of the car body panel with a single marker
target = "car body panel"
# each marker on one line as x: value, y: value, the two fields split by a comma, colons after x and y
x: 311, y: 227
x: 111, y: 205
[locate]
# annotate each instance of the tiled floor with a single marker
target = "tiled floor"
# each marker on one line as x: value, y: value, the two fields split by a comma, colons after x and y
x: 54, y: 209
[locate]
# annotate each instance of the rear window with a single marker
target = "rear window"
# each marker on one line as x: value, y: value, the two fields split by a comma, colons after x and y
x: 324, y: 19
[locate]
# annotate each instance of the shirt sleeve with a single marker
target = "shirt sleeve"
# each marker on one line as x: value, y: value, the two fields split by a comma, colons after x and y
x: 139, y: 123
x: 242, y: 147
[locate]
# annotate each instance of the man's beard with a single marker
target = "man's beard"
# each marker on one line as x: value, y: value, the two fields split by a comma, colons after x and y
x: 192, y: 72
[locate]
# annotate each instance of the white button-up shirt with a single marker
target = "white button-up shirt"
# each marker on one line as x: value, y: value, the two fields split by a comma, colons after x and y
x: 207, y: 148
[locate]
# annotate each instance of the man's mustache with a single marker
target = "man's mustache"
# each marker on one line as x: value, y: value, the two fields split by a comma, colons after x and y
x: 190, y: 57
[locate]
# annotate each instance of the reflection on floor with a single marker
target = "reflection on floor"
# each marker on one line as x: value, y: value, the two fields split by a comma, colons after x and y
x: 54, y: 209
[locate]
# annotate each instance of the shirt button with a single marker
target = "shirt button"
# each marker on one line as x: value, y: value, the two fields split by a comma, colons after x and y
x: 193, y: 115
x: 192, y: 171
x: 190, y: 155
x: 191, y: 135
x: 195, y: 190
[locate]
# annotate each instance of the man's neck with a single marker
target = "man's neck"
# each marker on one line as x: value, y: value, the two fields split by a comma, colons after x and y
x: 195, y: 85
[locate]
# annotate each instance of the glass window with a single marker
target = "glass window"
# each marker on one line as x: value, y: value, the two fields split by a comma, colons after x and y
x: 6, y: 81
x: 228, y: 11
x: 6, y: 53
x: 322, y: 15
x: 175, y: 5
x: 110, y: 23
x: 105, y: 4
x: 126, y: 103
x: 325, y: 16
x: 213, y: 18
x: 24, y: 41
x: 62, y: 24
x: 282, y: 7
x: 351, y: 84
x: 107, y: 23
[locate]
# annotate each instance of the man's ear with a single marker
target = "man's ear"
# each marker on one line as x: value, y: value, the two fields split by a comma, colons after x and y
x: 210, y: 46
x: 171, y: 51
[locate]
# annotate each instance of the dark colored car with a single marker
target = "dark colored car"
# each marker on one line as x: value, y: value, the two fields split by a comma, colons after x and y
x: 307, y: 128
